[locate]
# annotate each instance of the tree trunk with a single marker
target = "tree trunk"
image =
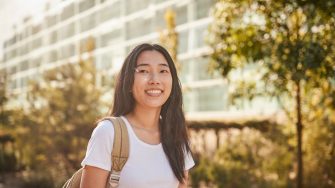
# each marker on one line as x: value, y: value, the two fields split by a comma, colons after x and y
x: 299, y: 138
x: 217, y: 133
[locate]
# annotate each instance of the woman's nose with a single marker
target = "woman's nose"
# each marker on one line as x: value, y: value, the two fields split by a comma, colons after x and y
x: 154, y: 78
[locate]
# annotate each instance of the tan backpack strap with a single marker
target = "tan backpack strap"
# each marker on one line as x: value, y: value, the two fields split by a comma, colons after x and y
x: 120, y: 151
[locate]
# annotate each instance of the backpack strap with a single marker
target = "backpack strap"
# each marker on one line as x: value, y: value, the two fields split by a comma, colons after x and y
x: 120, y: 150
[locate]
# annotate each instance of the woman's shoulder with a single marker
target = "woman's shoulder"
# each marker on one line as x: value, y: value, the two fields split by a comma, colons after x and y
x: 104, y: 126
x: 105, y: 122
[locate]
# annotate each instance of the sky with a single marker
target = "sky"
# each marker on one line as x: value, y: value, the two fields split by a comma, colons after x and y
x: 12, y: 12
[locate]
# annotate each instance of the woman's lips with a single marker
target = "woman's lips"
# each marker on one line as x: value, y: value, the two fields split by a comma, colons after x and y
x: 154, y: 92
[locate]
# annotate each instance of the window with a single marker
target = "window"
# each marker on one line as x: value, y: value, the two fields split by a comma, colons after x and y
x: 51, y: 20
x: 36, y: 43
x: 201, y: 68
x: 136, y: 5
x: 13, y: 84
x: 28, y: 31
x: 112, y: 59
x: 24, y: 65
x: 105, y: 61
x: 109, y: 12
x: 159, y: 1
x: 203, y: 8
x: 159, y: 20
x: 14, y: 69
x: 138, y: 27
x: 30, y: 45
x: 8, y: 43
x: 19, y: 50
x: 185, y: 71
x: 53, y: 56
x: 85, y: 5
x: 87, y: 23
x: 181, y: 15
x: 11, y: 70
x: 67, y: 30
x: 53, y: 37
x: 25, y: 48
x: 36, y: 29
x: 200, y: 35
x: 18, y: 37
x: 213, y: 98
x: 24, y: 82
x: 110, y: 38
x: 183, y: 42
x: 68, y: 12
x: 5, y: 57
x: 35, y: 63
x: 12, y: 41
x: 11, y: 54
x: 67, y: 51
x: 196, y: 69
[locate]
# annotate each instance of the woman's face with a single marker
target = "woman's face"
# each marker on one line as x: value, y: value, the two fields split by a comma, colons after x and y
x: 152, y: 80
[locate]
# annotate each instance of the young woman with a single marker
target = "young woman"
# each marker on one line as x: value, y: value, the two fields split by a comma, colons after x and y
x: 148, y: 98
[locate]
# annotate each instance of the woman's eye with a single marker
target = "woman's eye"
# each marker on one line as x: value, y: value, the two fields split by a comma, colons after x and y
x: 164, y: 71
x: 142, y: 71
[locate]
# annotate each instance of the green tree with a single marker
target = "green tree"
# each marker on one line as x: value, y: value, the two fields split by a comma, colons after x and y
x: 320, y: 140
x: 252, y: 159
x: 4, y: 112
x: 169, y: 37
x: 64, y: 106
x: 8, y: 118
x: 292, y: 41
x: 249, y: 156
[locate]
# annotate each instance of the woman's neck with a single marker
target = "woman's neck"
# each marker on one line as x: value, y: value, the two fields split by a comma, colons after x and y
x: 145, y: 118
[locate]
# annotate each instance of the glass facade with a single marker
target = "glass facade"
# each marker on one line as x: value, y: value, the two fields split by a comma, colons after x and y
x: 114, y: 27
x: 111, y: 11
x: 211, y: 98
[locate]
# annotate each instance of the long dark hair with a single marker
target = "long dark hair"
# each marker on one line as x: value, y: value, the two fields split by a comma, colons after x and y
x: 173, y: 131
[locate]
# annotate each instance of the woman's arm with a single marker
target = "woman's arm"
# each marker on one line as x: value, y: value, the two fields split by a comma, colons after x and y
x: 184, y: 184
x: 93, y: 177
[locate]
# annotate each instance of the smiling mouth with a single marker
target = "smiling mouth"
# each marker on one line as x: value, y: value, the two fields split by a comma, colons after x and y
x: 154, y: 92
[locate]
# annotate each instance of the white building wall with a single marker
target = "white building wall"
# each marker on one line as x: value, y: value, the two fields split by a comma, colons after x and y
x: 116, y: 26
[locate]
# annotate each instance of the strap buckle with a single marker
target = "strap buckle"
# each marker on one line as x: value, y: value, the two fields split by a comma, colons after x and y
x: 114, y: 179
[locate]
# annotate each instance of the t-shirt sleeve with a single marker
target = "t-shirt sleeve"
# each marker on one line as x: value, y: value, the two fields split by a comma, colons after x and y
x: 189, y: 162
x: 99, y: 149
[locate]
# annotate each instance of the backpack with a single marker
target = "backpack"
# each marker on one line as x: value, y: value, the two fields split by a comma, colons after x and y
x: 119, y: 154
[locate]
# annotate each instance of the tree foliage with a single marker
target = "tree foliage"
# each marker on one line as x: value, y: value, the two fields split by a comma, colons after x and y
x: 63, y: 108
x: 292, y: 45
x: 292, y: 39
x: 9, y: 117
x: 247, y: 158
x: 169, y: 37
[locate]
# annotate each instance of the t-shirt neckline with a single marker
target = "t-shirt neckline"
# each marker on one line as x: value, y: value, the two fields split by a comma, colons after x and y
x: 136, y: 137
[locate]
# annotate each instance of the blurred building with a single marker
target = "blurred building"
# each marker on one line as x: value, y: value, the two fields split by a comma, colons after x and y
x: 116, y: 26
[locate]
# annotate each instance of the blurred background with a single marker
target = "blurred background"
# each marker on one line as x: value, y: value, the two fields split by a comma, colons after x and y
x: 258, y: 80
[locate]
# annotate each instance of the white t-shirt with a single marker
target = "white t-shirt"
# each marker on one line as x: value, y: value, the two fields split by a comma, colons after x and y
x: 147, y: 165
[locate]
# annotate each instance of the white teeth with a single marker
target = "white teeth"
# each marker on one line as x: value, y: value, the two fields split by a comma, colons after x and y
x: 154, y: 91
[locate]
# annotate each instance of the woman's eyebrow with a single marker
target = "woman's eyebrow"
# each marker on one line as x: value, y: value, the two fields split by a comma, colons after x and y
x: 145, y: 64
x: 142, y: 65
x: 164, y: 64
